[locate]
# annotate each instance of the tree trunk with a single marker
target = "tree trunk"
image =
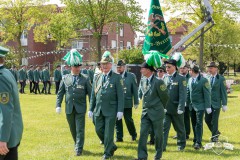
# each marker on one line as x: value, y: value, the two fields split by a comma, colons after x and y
x: 19, y: 49
x: 99, y: 51
x: 201, y: 49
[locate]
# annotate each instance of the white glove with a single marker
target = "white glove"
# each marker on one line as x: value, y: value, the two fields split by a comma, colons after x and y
x: 139, y: 99
x: 179, y: 112
x: 209, y: 110
x: 90, y: 114
x: 58, y: 110
x: 119, y: 115
x: 165, y: 111
x: 135, y: 106
x: 224, y: 108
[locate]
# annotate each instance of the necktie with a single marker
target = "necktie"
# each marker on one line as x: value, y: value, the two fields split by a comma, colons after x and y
x: 104, y: 78
x: 193, y: 81
x: 147, y: 82
x: 212, y: 80
x: 74, y: 79
x: 170, y: 78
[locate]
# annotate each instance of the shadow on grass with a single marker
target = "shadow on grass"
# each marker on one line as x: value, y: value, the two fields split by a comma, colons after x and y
x: 232, y: 96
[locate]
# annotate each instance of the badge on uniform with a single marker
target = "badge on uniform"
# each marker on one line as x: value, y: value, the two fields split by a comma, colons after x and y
x: 207, y: 85
x: 184, y: 83
x: 4, y: 97
x: 80, y: 87
x: 163, y: 87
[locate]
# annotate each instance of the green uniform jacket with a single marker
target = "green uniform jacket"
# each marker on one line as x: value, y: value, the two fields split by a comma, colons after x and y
x: 89, y: 72
x: 36, y: 75
x: 154, y: 96
x: 22, y: 75
x: 108, y: 98
x: 45, y: 75
x: 130, y: 90
x: 30, y: 75
x: 177, y: 93
x: 57, y: 75
x: 75, y: 94
x: 198, y: 94
x: 218, y: 92
x: 15, y: 74
x: 64, y: 72
x: 11, y: 124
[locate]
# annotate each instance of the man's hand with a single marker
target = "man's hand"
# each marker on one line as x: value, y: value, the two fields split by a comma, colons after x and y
x: 224, y: 108
x: 90, y: 114
x: 3, y: 148
x: 209, y: 110
x: 58, y: 110
x: 119, y: 115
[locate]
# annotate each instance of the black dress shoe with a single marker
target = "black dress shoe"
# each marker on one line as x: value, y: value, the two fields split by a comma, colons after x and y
x: 78, y: 153
x: 113, y: 150
x: 119, y: 140
x: 105, y: 157
x: 150, y: 142
x: 181, y: 148
x: 197, y: 146
x: 134, y: 138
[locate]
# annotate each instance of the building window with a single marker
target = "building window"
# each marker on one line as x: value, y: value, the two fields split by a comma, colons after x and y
x: 114, y: 44
x: 121, y: 45
x: 77, y: 44
x: 23, y: 38
x: 121, y: 31
x: 129, y: 45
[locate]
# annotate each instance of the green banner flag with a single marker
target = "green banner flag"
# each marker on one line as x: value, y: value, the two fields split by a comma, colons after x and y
x: 156, y: 36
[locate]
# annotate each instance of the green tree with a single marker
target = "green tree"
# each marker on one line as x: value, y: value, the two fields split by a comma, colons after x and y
x: 95, y: 14
x: 17, y: 16
x: 59, y: 26
x: 131, y: 56
x: 194, y: 10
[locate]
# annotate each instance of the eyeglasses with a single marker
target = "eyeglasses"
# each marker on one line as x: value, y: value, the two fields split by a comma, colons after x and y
x: 160, y: 71
x: 168, y: 66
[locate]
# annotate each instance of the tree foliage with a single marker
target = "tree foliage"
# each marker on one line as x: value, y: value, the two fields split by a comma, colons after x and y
x: 95, y: 14
x: 131, y: 56
x: 17, y: 16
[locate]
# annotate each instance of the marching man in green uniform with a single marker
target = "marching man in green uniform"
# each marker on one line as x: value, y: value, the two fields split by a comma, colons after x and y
x: 14, y: 71
x: 130, y: 94
x: 154, y: 94
x: 37, y: 78
x: 57, y: 77
x: 22, y: 78
x: 88, y: 72
x: 31, y: 78
x: 177, y: 92
x: 11, y: 124
x: 75, y: 87
x: 199, y: 100
x: 107, y: 104
x: 46, y: 80
x: 218, y: 99
x: 183, y: 71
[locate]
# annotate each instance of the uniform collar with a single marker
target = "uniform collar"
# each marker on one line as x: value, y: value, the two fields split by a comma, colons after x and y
x: 108, y: 74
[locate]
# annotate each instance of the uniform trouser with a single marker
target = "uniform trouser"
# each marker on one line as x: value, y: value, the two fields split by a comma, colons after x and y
x: 104, y: 126
x: 31, y: 87
x: 129, y: 123
x: 187, y: 121
x: 57, y: 86
x: 197, y: 125
x: 76, y: 122
x: 45, y: 84
x: 146, y: 123
x: 36, y: 87
x: 22, y: 85
x: 177, y: 121
x: 11, y: 155
x: 212, y: 121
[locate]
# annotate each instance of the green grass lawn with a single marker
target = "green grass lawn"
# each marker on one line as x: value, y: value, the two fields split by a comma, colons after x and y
x: 47, y: 137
